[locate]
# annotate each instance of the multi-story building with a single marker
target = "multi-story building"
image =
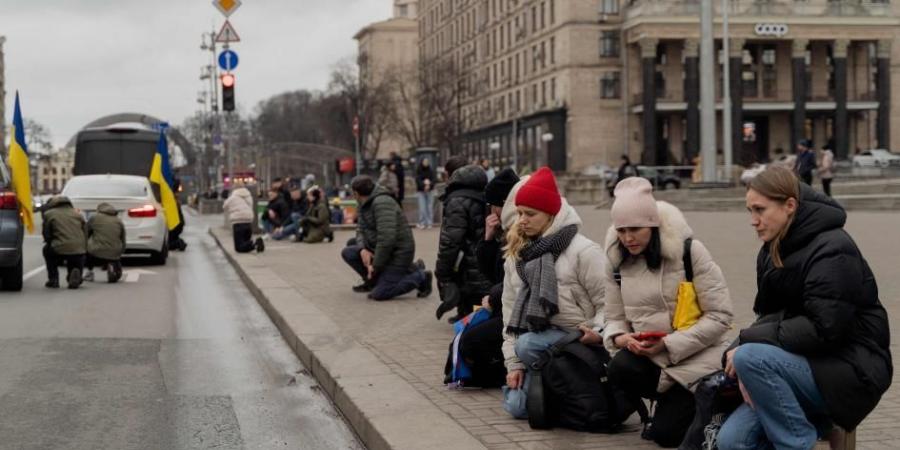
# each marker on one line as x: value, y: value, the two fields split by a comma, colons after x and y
x: 568, y: 78
x: 390, y: 48
x: 52, y: 171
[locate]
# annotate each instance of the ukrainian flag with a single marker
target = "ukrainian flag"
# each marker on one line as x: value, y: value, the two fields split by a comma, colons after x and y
x: 161, y: 174
x: 18, y: 165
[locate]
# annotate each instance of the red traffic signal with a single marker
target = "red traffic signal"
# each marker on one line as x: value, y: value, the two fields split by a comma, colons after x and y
x: 227, y: 92
x: 227, y: 80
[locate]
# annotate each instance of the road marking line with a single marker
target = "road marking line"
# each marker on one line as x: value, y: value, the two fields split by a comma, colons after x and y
x: 34, y: 272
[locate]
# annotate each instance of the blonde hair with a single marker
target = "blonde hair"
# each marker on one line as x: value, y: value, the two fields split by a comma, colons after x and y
x: 777, y: 184
x: 516, y: 239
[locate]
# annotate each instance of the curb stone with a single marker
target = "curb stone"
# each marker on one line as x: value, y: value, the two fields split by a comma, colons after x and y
x: 385, y: 411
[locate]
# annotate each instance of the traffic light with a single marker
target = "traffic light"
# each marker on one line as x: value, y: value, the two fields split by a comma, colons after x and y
x: 227, y: 92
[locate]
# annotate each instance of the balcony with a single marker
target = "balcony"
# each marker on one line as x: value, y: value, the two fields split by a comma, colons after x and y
x: 767, y: 8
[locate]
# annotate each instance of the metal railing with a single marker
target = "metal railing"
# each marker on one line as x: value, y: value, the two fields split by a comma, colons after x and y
x: 783, y: 8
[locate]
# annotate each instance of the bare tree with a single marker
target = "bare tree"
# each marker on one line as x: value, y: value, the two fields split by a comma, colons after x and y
x: 371, y: 101
x: 441, y: 85
x: 38, y: 137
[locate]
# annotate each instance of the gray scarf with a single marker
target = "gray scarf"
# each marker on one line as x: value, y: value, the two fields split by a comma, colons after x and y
x: 538, y: 299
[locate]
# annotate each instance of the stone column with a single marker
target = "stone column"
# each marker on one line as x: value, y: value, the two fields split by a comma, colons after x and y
x: 735, y: 69
x: 648, y: 72
x: 692, y: 98
x: 841, y: 125
x: 798, y: 67
x: 883, y: 127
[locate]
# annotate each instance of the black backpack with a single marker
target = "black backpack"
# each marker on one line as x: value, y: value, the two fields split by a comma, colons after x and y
x: 569, y: 389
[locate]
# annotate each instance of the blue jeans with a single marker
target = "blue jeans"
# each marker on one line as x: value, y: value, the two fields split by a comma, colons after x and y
x: 787, y: 404
x: 529, y: 348
x: 426, y: 208
x: 289, y: 229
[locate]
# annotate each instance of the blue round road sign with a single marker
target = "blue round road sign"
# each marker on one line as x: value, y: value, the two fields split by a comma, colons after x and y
x: 228, y: 60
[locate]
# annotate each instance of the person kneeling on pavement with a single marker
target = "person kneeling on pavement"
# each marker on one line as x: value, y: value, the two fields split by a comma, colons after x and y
x: 316, y: 225
x: 553, y: 284
x: 383, y: 251
x: 105, y: 243
x: 239, y: 213
x: 646, y: 247
x: 64, y: 241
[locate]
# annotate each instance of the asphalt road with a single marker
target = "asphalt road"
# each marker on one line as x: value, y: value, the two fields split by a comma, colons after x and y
x: 176, y: 357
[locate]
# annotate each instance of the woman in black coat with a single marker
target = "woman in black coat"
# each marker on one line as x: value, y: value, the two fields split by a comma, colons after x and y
x: 818, y: 352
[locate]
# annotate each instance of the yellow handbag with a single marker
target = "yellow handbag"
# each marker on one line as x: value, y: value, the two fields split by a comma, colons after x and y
x: 687, y: 308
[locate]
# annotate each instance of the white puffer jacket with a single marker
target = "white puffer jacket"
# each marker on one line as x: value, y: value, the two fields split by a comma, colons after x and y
x: 579, y: 271
x: 238, y: 207
x: 646, y: 302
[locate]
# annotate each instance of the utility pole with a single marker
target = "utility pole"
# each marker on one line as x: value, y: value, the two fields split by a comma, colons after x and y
x: 726, y: 93
x: 707, y: 94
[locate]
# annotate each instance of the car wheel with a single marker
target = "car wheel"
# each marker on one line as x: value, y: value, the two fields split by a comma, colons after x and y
x: 12, y: 277
x: 670, y: 185
x: 159, y: 258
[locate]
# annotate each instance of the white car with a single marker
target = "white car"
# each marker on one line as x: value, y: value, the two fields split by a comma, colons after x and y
x: 786, y: 161
x: 876, y: 158
x: 134, y: 199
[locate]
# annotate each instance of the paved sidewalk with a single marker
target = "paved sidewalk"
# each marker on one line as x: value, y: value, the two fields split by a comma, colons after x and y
x: 382, y: 363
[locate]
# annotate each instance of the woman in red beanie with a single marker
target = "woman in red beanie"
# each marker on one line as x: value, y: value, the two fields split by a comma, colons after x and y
x: 553, y: 283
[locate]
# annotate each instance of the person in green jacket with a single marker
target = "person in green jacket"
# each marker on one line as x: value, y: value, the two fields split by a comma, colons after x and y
x: 64, y: 241
x: 316, y: 224
x: 105, y: 243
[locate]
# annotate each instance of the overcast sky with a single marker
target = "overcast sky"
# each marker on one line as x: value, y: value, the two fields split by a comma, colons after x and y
x: 73, y: 61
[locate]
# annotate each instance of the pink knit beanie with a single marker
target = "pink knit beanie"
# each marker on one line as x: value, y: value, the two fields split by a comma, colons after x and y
x: 635, y: 206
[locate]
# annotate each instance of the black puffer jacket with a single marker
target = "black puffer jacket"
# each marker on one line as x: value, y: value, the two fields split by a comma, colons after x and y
x: 462, y: 228
x: 824, y: 305
x: 383, y: 229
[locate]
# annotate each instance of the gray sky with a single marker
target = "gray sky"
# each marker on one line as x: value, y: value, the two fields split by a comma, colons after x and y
x: 73, y: 61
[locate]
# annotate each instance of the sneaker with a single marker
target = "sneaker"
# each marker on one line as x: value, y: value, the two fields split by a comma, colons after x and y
x: 425, y: 288
x: 365, y: 287
x: 114, y: 273
x: 294, y: 238
x: 420, y: 226
x: 329, y: 236
x: 74, y: 278
x: 52, y: 284
x: 260, y: 245
x: 88, y: 275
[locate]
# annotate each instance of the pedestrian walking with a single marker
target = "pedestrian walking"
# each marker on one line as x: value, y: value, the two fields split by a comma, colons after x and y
x: 651, y: 250
x: 388, y: 179
x: 425, y: 182
x: 826, y: 170
x: 383, y: 252
x: 400, y: 171
x: 819, y: 351
x: 64, y: 241
x: 105, y: 243
x: 805, y: 162
x: 553, y: 283
x: 239, y: 213
x: 460, y: 284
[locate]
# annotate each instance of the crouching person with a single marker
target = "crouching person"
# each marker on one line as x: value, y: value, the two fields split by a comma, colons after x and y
x: 64, y: 241
x: 316, y: 224
x: 819, y: 351
x: 239, y: 213
x: 105, y: 243
x: 651, y: 252
x: 383, y: 251
x: 553, y: 283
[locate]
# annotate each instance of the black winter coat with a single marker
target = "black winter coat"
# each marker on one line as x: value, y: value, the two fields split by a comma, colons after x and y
x: 462, y: 228
x: 282, y: 211
x: 383, y: 229
x: 424, y: 173
x: 824, y: 305
x: 490, y: 259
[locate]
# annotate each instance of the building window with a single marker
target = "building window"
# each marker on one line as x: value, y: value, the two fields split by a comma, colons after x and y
x: 610, y: 85
x: 609, y: 44
x: 553, y: 89
x: 609, y: 6
x: 552, y: 12
x: 552, y: 50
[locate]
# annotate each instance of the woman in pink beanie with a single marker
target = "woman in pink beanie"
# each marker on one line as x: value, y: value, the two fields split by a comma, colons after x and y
x: 553, y: 283
x: 646, y: 248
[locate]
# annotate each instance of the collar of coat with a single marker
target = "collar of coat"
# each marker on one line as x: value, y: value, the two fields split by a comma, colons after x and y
x: 673, y: 230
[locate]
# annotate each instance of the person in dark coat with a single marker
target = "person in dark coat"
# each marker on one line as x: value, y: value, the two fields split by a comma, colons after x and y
x: 278, y: 213
x: 64, y: 241
x: 105, y: 243
x: 818, y: 352
x: 806, y: 161
x: 317, y: 222
x: 384, y: 248
x: 460, y: 283
x: 401, y: 176
x: 489, y: 251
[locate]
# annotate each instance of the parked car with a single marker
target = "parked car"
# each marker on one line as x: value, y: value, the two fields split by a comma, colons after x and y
x: 876, y: 158
x: 757, y: 168
x: 662, y: 179
x: 11, y: 235
x: 132, y: 196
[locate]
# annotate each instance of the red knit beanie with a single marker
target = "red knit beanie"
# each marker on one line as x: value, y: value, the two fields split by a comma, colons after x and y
x: 540, y: 193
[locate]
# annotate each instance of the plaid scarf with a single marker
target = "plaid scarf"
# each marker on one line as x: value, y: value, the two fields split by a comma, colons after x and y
x: 538, y: 299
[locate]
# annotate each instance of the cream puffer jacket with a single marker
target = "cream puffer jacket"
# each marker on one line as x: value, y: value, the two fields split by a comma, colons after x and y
x: 646, y: 302
x: 238, y: 207
x: 579, y: 271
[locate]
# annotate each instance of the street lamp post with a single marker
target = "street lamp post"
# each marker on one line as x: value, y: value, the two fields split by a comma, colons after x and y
x: 707, y: 94
x: 726, y: 94
x: 547, y: 138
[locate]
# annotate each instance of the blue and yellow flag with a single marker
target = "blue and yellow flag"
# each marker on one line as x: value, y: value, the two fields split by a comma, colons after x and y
x: 161, y: 174
x: 18, y: 166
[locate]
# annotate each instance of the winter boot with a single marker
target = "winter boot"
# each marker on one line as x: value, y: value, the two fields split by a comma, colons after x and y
x: 74, y: 278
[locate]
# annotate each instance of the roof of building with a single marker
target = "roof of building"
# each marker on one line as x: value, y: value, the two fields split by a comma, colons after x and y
x: 395, y: 24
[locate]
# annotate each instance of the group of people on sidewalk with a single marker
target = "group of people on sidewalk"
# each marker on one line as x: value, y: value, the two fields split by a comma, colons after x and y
x: 79, y: 244
x: 817, y: 355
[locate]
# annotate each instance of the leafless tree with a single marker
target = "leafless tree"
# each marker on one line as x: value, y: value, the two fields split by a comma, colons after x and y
x: 38, y: 137
x: 372, y: 101
x: 441, y: 84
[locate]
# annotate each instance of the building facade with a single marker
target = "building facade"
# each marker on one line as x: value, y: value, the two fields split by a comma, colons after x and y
x: 386, y: 49
x: 564, y: 82
x: 53, y: 171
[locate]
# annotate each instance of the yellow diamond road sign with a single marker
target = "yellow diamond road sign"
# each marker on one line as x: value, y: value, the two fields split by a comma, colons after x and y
x: 227, y: 7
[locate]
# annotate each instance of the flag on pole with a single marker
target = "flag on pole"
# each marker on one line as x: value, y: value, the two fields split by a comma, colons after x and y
x: 18, y: 166
x: 161, y: 174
